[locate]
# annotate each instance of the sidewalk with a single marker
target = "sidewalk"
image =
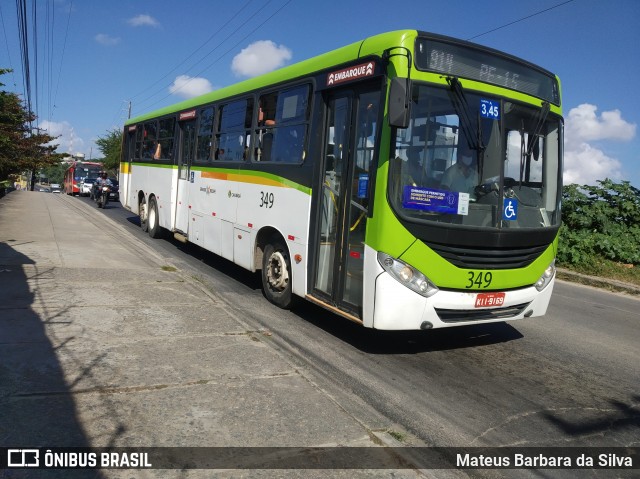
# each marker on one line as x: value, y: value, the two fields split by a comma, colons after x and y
x: 102, y: 347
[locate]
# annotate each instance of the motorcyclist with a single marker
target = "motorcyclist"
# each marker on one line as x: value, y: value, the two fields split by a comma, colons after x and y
x: 103, y: 180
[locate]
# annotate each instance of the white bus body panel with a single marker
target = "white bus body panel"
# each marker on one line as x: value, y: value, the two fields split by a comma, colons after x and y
x: 225, y: 216
x: 396, y: 307
x: 125, y: 179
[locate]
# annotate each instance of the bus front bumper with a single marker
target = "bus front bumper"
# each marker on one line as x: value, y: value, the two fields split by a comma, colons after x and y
x: 398, y: 308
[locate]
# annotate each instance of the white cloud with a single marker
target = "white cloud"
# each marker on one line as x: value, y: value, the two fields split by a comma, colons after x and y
x: 143, y: 21
x: 67, y: 142
x: 105, y: 39
x: 583, y: 124
x: 583, y: 162
x: 260, y: 57
x: 189, y: 87
x: 586, y: 164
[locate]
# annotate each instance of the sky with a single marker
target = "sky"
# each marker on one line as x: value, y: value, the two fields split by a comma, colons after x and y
x: 90, y: 62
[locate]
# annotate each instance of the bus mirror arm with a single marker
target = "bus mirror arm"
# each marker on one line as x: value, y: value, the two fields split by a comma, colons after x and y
x: 399, y: 90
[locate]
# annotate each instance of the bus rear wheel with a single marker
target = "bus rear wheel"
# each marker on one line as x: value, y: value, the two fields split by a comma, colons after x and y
x: 276, y: 274
x: 144, y: 215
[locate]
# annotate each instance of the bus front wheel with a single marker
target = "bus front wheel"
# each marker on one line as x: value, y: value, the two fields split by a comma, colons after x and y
x: 276, y: 274
x: 152, y: 219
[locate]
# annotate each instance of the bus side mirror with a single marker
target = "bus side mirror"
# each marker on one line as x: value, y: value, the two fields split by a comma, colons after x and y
x: 399, y: 104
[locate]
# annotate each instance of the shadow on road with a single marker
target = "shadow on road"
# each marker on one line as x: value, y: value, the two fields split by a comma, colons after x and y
x: 36, y: 405
x: 406, y: 342
x: 619, y: 417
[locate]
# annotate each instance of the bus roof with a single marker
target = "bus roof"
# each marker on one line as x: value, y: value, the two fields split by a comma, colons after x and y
x: 374, y: 45
x: 371, y: 45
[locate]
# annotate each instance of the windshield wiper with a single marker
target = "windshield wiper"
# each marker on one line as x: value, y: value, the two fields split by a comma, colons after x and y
x: 461, y: 106
x: 541, y: 118
x: 525, y: 160
x: 472, y: 133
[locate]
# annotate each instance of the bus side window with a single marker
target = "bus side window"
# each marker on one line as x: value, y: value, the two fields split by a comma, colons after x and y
x: 205, y: 136
x: 138, y: 148
x: 266, y: 123
x: 234, y: 130
x: 164, y: 149
x: 282, y: 125
x: 149, y: 145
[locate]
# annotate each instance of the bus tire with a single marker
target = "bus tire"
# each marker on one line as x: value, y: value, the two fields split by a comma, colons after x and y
x: 276, y: 274
x: 144, y: 215
x: 152, y: 219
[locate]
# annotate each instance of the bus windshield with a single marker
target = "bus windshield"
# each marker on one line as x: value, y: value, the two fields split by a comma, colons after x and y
x: 472, y: 159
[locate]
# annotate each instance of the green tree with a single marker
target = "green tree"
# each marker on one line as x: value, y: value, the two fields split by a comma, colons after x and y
x: 20, y: 149
x: 55, y: 173
x: 601, y: 221
x: 110, y: 145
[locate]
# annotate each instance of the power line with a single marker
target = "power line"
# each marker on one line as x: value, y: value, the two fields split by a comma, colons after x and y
x: 118, y: 115
x: 49, y: 31
x: 21, y: 10
x: 247, y: 20
x: 229, y: 50
x: 6, y: 42
x: 225, y: 23
x: 520, y: 19
x: 64, y: 47
x: 34, y: 21
x: 244, y: 38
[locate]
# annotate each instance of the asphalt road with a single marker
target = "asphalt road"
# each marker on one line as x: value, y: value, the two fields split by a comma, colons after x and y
x: 570, y: 378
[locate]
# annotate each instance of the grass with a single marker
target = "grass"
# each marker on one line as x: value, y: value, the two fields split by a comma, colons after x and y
x: 398, y: 436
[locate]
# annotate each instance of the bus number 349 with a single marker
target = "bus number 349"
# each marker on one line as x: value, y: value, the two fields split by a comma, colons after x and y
x: 479, y: 280
x: 266, y: 199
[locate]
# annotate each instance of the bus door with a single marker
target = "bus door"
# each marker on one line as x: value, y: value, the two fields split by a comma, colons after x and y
x: 349, y: 148
x: 187, y: 148
x: 125, y: 179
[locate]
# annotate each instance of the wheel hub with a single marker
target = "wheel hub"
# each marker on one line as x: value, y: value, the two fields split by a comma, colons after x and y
x: 277, y: 273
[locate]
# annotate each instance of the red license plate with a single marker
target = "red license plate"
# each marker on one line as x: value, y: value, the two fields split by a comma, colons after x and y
x: 486, y: 300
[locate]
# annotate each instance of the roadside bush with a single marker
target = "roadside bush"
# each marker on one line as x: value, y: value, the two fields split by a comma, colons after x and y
x: 601, y: 221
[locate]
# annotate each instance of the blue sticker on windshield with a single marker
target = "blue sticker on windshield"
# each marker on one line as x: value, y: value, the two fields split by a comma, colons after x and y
x: 510, y: 209
x: 490, y: 109
x: 437, y: 201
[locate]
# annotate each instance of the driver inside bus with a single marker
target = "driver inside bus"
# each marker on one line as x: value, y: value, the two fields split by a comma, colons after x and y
x: 462, y: 176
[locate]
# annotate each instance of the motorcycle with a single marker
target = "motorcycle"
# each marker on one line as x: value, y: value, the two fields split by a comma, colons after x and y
x: 101, y: 195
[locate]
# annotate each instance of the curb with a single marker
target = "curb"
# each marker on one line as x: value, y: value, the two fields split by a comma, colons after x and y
x: 604, y: 283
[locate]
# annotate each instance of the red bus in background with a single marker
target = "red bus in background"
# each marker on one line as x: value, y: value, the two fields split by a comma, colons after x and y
x: 78, y: 171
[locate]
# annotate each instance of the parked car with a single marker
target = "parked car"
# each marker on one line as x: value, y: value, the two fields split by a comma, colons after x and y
x: 115, y: 190
x: 86, y: 185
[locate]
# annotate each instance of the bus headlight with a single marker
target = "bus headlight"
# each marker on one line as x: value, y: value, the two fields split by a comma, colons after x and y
x: 405, y: 274
x: 546, y: 277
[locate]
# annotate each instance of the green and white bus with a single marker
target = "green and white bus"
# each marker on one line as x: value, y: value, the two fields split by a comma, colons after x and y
x: 407, y: 181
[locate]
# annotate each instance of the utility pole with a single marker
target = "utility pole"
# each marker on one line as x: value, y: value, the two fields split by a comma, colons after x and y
x: 32, y: 181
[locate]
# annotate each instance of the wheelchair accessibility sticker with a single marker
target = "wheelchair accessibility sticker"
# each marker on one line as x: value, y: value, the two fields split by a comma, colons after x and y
x: 510, y: 209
